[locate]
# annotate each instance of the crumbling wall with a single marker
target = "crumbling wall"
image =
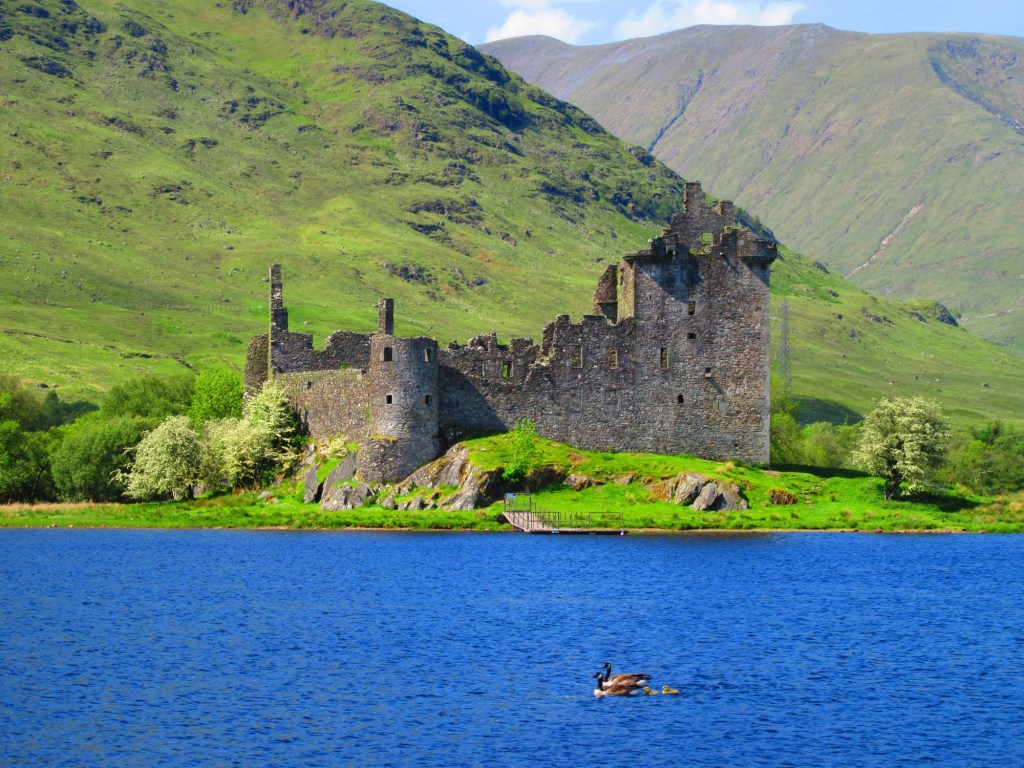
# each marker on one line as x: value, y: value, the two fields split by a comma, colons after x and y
x: 330, y: 403
x: 294, y: 352
x: 257, y: 361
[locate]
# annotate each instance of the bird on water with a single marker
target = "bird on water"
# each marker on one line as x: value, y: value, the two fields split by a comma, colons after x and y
x: 640, y: 678
x: 614, y: 689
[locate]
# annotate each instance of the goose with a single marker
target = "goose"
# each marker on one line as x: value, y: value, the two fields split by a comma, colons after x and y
x: 651, y: 691
x: 640, y: 678
x: 614, y: 689
x: 666, y: 690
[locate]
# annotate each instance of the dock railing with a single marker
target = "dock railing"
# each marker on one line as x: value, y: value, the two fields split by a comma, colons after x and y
x: 522, y: 513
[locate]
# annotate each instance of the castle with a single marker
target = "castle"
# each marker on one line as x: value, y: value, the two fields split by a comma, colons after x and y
x: 674, y: 360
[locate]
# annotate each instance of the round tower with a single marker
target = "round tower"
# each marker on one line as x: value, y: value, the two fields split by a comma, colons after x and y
x: 404, y: 432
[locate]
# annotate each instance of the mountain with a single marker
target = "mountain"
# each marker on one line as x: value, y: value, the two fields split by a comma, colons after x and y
x: 897, y: 160
x: 159, y: 155
x: 156, y: 156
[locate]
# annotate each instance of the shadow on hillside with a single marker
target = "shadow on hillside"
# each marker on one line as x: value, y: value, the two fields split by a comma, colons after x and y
x: 823, y: 472
x: 944, y: 502
x: 814, y: 409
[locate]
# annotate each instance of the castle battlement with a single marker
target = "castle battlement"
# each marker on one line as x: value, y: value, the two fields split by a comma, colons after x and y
x: 674, y: 359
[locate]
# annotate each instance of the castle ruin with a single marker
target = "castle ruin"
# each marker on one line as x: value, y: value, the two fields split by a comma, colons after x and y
x: 675, y: 359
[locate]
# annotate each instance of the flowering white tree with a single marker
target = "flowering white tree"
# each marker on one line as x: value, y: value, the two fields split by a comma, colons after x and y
x: 167, y: 461
x: 901, y: 440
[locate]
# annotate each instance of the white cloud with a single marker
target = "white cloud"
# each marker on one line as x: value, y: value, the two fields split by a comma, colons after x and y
x: 533, y: 17
x: 666, y: 15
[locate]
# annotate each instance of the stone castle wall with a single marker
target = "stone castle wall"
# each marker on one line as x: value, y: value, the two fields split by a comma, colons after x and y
x: 674, y: 360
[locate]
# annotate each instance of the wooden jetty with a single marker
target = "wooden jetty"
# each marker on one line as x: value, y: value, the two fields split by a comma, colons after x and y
x: 522, y: 514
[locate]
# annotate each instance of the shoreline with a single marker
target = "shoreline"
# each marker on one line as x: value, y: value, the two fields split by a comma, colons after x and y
x: 366, y: 529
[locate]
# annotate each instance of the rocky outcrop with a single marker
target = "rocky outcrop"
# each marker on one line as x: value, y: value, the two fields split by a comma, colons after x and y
x: 578, y: 482
x: 700, y: 492
x: 476, y: 487
x: 345, y: 497
x: 311, y: 490
x: 345, y: 470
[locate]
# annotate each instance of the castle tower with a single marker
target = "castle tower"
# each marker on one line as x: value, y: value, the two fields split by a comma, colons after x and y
x: 403, y: 375
x: 278, y: 313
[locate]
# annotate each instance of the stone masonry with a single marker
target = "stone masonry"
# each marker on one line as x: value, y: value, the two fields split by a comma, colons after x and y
x: 673, y: 360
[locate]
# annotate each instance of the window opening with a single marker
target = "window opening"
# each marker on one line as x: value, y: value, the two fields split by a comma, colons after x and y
x: 691, y: 307
x: 691, y: 336
x: 576, y: 356
x: 506, y: 370
x: 664, y: 358
x: 613, y: 357
x: 426, y: 399
x: 680, y: 399
x: 707, y: 373
x: 426, y: 355
x: 389, y: 399
x: 387, y: 355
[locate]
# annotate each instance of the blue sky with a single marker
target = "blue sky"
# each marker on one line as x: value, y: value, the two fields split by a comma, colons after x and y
x: 588, y: 22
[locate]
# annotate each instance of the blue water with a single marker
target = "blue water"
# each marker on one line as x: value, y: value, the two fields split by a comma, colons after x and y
x: 230, y: 648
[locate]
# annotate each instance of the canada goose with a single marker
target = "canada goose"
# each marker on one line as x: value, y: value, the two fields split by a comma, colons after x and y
x: 640, y: 678
x: 614, y: 689
x: 666, y: 690
x: 650, y: 691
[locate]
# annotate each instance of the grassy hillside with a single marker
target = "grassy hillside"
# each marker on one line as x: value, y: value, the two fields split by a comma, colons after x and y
x: 158, y: 155
x: 896, y: 159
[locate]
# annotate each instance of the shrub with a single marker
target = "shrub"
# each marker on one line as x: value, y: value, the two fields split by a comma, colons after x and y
x: 94, y: 456
x: 524, y: 447
x: 217, y: 394
x: 167, y: 461
x: 150, y: 396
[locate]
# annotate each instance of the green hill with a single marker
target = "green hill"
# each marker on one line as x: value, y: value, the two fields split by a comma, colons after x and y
x: 158, y: 155
x: 898, y: 160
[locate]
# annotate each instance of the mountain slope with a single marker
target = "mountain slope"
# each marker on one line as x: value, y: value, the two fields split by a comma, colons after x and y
x: 158, y: 155
x: 898, y: 160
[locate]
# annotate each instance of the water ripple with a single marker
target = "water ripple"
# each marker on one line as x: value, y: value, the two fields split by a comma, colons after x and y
x: 229, y: 648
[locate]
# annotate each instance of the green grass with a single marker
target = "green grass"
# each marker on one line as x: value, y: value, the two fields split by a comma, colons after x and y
x: 624, y: 483
x: 827, y: 500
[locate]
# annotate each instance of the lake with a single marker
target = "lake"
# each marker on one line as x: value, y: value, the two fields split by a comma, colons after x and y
x: 268, y: 648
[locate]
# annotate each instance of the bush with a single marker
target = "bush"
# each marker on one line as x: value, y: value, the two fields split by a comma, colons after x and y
x: 524, y: 447
x: 217, y: 394
x: 94, y: 455
x: 154, y: 397
x: 167, y: 462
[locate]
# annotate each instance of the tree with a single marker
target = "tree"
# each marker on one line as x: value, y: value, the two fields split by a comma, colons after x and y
x: 828, y: 445
x: 784, y: 431
x: 901, y: 440
x: 167, y: 461
x: 94, y: 454
x: 249, y: 450
x: 153, y: 396
x: 217, y: 394
x: 20, y: 404
x: 25, y: 463
x: 524, y: 446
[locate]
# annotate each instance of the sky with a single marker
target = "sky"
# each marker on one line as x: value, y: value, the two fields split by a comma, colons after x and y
x: 591, y: 22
